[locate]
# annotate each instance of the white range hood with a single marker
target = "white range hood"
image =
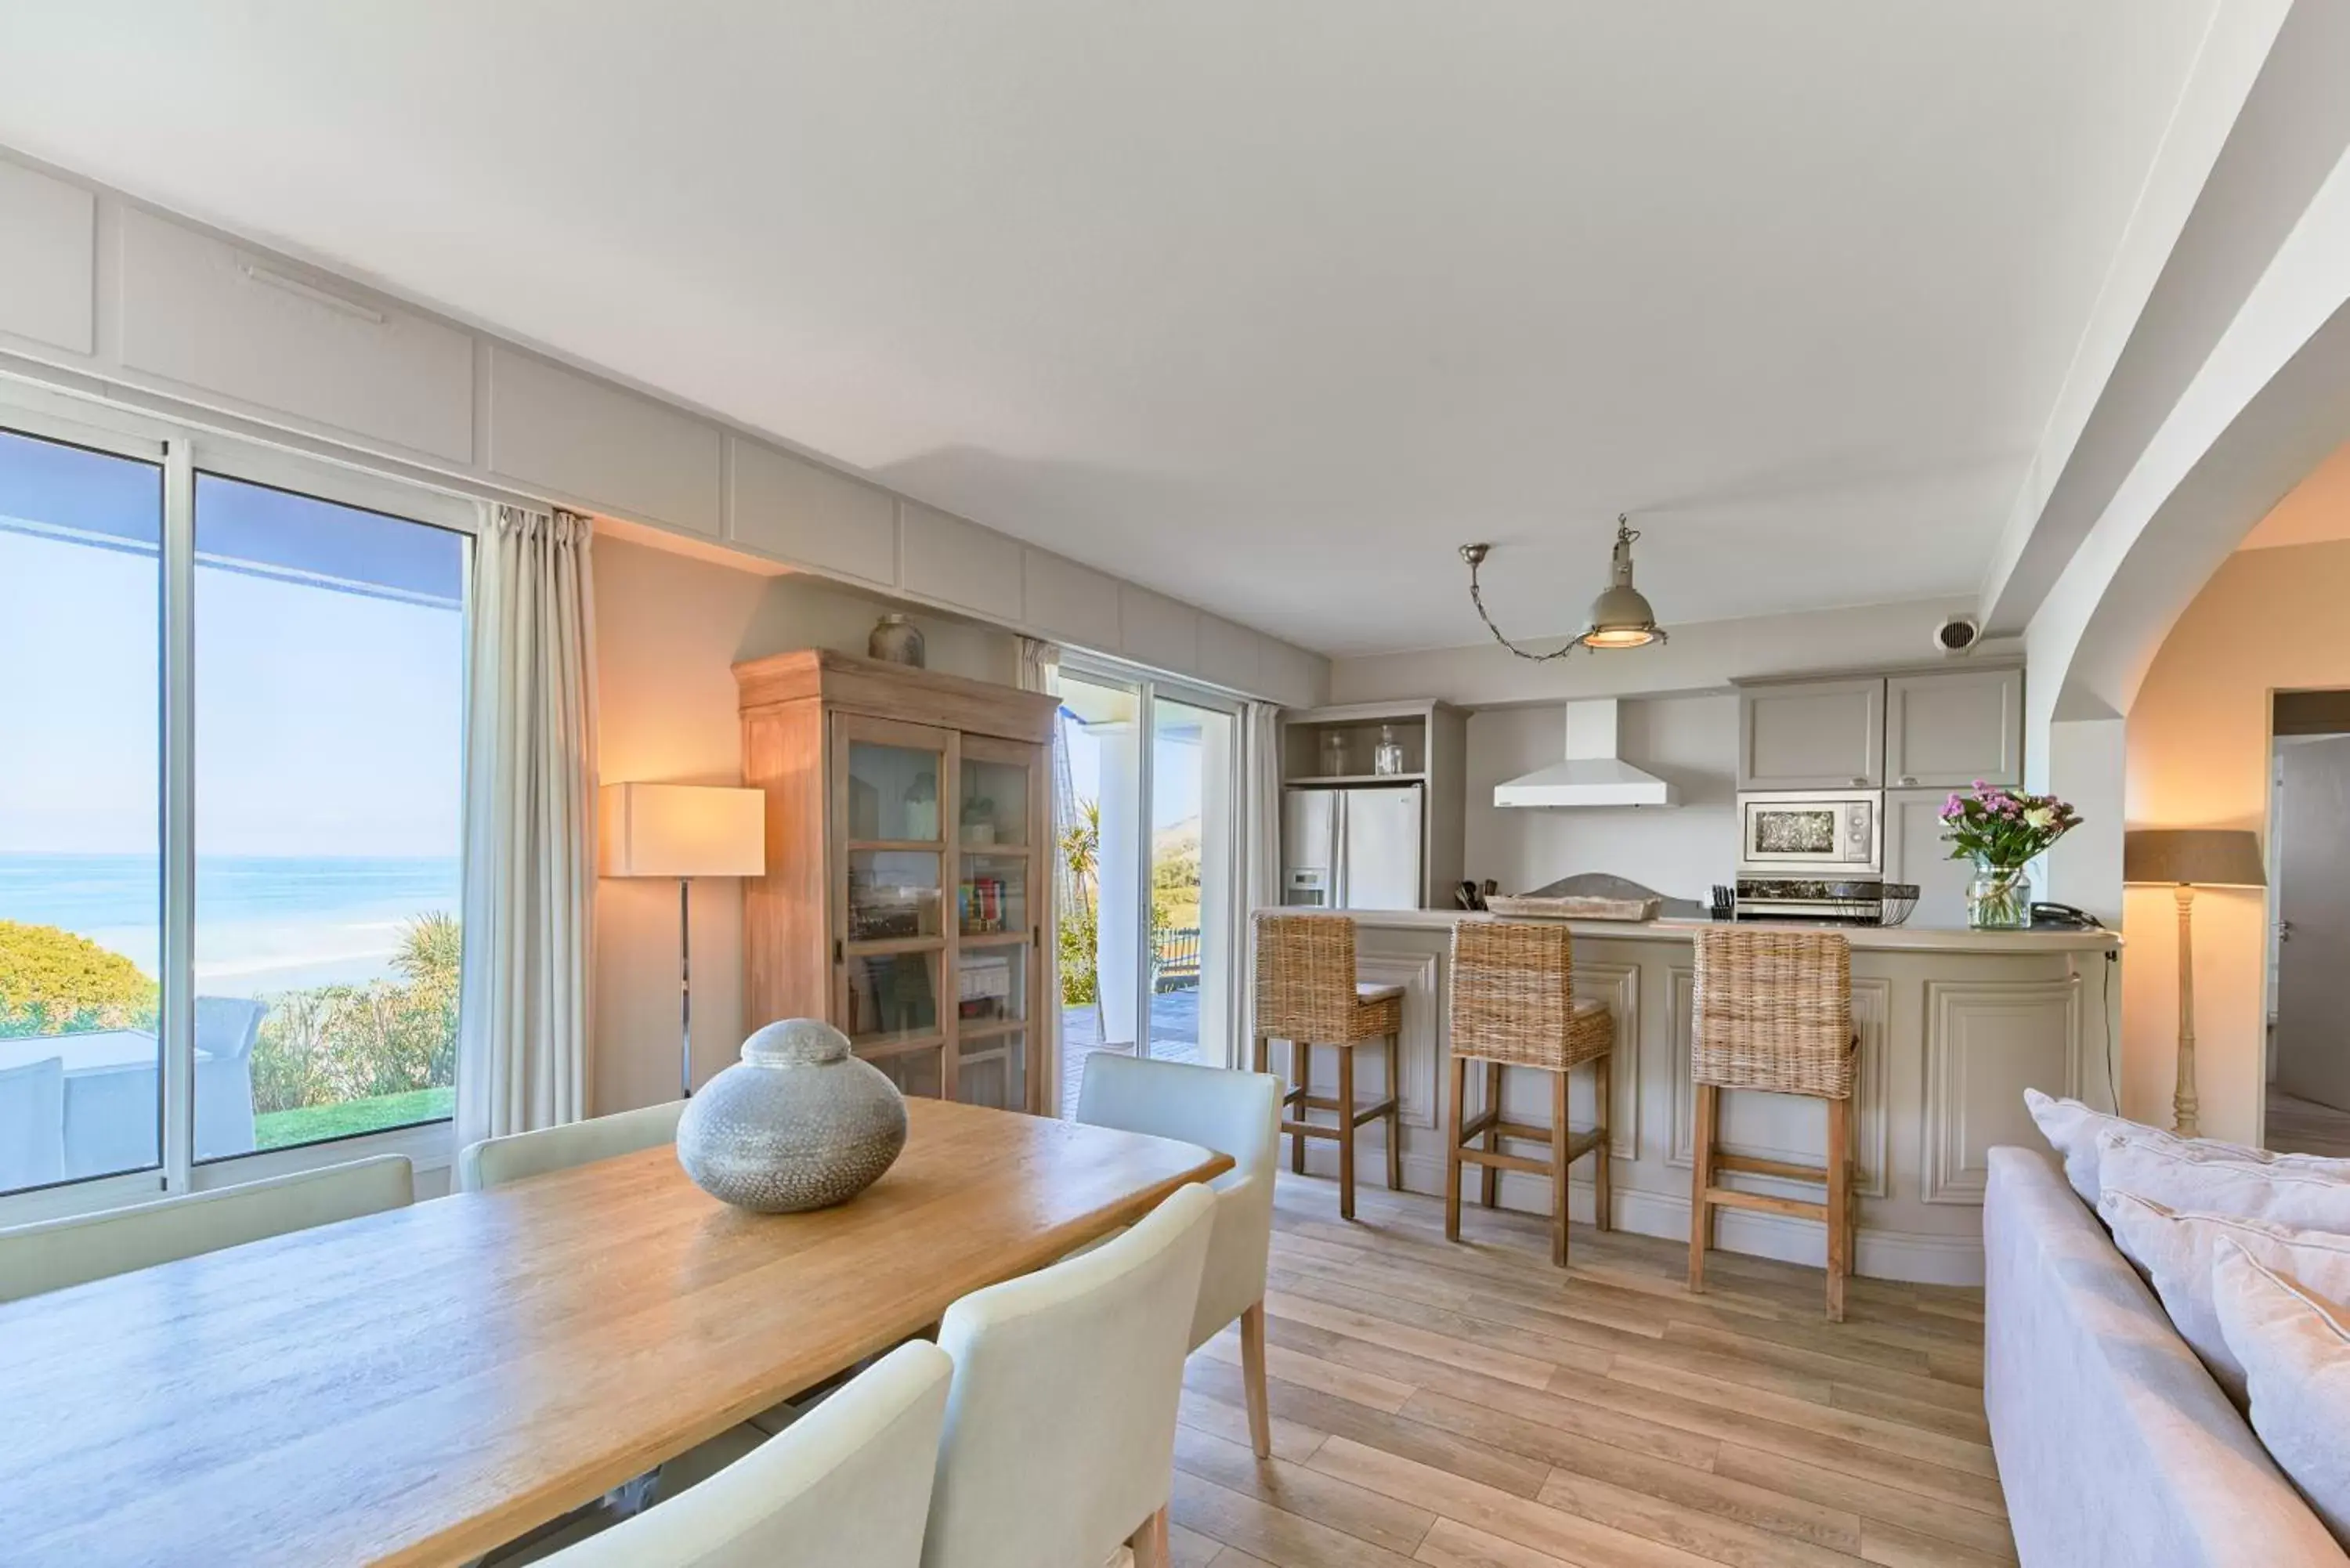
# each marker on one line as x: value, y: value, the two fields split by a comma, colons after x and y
x: 1592, y: 774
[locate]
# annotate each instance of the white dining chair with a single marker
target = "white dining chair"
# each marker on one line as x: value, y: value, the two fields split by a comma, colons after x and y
x: 1060, y: 1438
x: 494, y: 1162
x: 848, y: 1486
x: 54, y: 1254
x: 1233, y: 1112
x: 32, y: 1124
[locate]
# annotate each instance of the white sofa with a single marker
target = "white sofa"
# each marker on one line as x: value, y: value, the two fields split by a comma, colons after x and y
x: 2114, y: 1446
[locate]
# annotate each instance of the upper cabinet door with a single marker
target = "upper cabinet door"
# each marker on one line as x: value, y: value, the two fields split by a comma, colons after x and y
x: 1950, y: 728
x: 1812, y: 735
x: 1916, y: 852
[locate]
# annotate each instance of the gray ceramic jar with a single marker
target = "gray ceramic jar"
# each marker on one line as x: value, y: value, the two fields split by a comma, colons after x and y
x: 798, y: 1123
x: 896, y: 640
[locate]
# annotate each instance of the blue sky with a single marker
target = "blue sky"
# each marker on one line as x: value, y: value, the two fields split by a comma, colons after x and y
x: 1175, y: 769
x: 328, y: 720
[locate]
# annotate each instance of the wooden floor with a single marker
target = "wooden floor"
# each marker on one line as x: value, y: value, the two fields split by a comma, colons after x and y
x: 1466, y: 1406
x: 2303, y: 1126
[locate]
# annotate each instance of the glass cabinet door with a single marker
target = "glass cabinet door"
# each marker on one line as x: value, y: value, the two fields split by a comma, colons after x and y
x: 891, y: 916
x: 1000, y: 905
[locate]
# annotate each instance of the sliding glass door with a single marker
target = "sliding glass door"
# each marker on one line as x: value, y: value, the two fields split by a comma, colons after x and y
x: 229, y: 808
x: 81, y: 867
x: 1147, y: 874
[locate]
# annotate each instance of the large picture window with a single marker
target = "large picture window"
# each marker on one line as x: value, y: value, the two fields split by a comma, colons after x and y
x: 231, y: 807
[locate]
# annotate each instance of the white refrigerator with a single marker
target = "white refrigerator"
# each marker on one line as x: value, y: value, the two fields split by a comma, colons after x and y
x: 1351, y: 848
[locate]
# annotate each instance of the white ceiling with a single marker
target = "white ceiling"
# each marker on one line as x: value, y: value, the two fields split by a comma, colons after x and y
x: 1269, y: 306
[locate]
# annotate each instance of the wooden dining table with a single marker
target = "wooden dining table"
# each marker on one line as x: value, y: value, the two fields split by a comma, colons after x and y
x: 420, y: 1386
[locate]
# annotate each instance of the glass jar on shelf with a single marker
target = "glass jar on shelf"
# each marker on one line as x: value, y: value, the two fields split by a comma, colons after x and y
x: 1387, y: 756
x: 1333, y: 754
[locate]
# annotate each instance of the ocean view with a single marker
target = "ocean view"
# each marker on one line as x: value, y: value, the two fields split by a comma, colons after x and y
x: 264, y: 923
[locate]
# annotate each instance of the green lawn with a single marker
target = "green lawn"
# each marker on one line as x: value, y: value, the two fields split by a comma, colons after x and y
x: 281, y: 1129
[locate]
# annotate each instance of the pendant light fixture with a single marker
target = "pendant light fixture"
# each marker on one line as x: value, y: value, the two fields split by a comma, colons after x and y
x: 1620, y: 617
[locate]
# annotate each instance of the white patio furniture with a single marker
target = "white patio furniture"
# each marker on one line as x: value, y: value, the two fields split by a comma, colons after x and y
x: 32, y: 1124
x: 227, y: 1029
x: 111, y: 1115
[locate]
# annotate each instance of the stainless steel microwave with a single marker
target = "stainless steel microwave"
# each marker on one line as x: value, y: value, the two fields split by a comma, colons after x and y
x: 1811, y: 833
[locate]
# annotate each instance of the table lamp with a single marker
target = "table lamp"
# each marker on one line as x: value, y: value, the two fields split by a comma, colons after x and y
x: 2186, y: 859
x: 684, y: 831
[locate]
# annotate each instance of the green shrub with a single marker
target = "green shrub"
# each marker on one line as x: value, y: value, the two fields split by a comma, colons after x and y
x: 329, y: 1043
x: 1078, y: 984
x: 55, y: 982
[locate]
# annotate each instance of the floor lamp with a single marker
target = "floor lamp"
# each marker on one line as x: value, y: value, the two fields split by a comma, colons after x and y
x: 683, y: 831
x: 2186, y: 859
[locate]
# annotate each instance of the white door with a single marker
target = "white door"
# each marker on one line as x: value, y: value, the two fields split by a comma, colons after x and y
x: 2313, y: 1042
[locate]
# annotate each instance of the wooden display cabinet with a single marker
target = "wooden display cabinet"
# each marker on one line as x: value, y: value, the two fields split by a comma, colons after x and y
x: 909, y: 865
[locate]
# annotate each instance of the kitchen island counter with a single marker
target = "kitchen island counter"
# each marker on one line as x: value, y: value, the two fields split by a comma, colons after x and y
x: 1954, y: 1025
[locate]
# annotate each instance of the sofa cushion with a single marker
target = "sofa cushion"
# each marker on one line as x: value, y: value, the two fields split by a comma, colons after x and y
x: 2077, y: 1133
x: 2188, y: 1181
x: 2176, y: 1253
x: 2297, y: 1355
x: 2115, y: 1449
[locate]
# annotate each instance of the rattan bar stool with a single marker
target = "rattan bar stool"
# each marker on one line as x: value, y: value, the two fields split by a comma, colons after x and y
x: 1773, y: 1012
x: 1513, y: 1005
x: 1307, y: 993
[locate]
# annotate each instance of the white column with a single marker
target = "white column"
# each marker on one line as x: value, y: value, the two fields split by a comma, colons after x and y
x: 1119, y: 858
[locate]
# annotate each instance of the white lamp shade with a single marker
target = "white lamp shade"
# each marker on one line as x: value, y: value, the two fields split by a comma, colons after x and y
x: 683, y: 830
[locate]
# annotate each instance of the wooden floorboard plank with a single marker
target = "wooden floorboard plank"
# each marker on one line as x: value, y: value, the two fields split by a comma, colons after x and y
x: 1312, y: 1372
x: 1432, y: 1335
x: 1322, y: 1415
x: 1453, y: 1544
x: 1897, y: 1548
x: 1529, y: 1524
x: 1563, y: 1342
x: 1873, y: 1500
x: 1891, y: 1436
x: 1365, y: 1515
x: 1228, y: 1420
x: 1919, y: 1385
x: 1274, y: 1534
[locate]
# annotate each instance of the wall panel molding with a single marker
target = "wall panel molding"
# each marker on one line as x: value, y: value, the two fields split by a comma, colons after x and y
x: 1986, y: 1043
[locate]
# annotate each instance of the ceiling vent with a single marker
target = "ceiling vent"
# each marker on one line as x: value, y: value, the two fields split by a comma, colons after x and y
x: 1957, y: 634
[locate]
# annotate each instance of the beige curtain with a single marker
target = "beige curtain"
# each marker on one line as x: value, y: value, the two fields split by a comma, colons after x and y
x: 1040, y: 670
x: 530, y: 827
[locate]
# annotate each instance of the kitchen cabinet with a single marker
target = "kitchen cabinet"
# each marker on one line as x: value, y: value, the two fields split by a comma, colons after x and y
x: 1915, y: 852
x: 1812, y: 735
x: 1952, y: 727
x: 909, y: 843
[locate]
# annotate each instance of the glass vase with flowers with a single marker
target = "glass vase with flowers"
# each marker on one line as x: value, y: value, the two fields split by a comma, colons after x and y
x: 2003, y: 830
